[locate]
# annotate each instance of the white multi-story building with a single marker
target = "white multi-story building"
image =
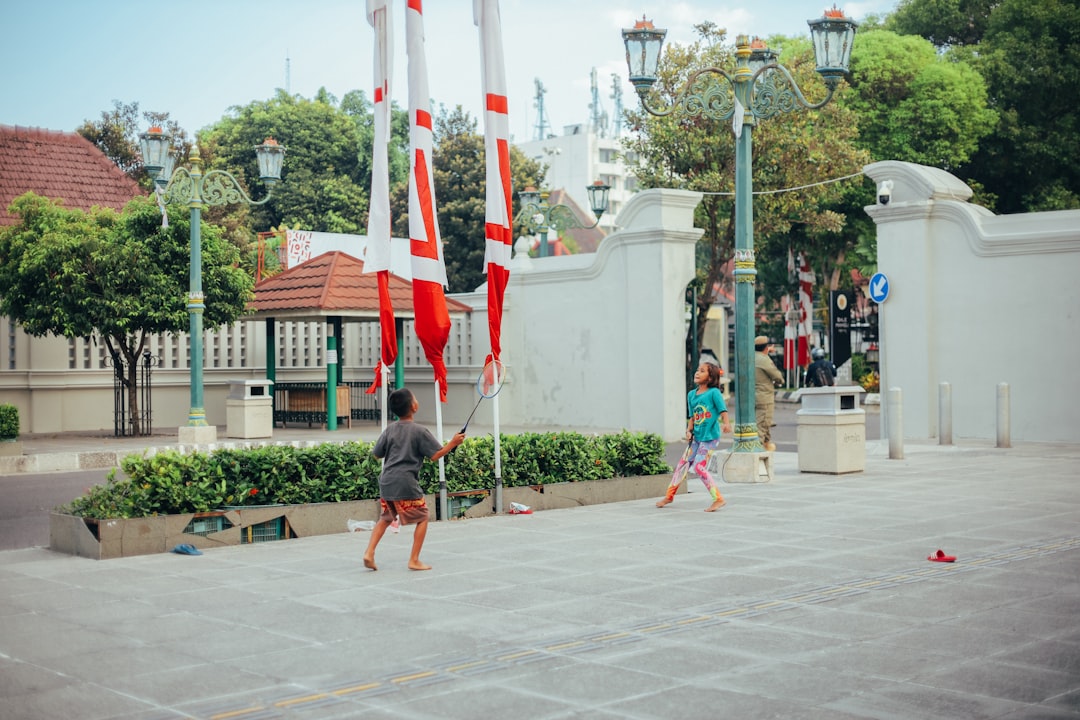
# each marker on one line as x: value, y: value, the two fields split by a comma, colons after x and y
x: 578, y: 158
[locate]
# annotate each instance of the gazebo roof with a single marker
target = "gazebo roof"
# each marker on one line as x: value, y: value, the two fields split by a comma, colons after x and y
x: 333, y: 284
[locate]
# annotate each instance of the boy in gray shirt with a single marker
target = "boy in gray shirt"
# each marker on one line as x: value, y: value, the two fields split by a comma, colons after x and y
x: 402, y: 447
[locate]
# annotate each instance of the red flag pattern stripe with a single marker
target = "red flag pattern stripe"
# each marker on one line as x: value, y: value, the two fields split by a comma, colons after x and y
x: 806, y: 309
x: 377, y: 256
x: 498, y: 230
x: 432, y: 323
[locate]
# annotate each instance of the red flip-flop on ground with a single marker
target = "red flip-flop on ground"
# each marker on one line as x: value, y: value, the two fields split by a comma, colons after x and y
x: 940, y: 556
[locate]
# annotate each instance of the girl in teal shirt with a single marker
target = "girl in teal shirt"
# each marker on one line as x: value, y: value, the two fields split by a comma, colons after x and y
x: 708, y: 421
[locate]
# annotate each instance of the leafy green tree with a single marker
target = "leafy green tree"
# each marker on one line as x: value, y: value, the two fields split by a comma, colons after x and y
x: 914, y: 104
x: 1030, y: 57
x: 945, y: 23
x: 327, y: 172
x: 1028, y: 52
x: 790, y: 150
x: 117, y: 276
x: 117, y: 135
x: 460, y: 184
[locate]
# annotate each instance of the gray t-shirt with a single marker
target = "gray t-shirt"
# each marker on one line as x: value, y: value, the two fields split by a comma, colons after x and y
x: 403, y: 446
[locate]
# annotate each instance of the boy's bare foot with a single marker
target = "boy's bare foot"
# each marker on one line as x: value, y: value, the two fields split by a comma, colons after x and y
x: 418, y: 566
x: 369, y: 563
x: 662, y: 502
x: 716, y: 505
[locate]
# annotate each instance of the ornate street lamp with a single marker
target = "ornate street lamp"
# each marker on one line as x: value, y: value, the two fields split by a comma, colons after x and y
x: 538, y: 217
x: 192, y: 188
x: 757, y: 89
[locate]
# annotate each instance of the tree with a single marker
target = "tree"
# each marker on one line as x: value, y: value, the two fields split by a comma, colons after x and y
x: 914, y: 104
x: 1030, y: 57
x: 790, y: 150
x: 117, y: 276
x: 117, y: 135
x: 945, y: 23
x: 460, y: 175
x: 1028, y: 52
x: 322, y: 188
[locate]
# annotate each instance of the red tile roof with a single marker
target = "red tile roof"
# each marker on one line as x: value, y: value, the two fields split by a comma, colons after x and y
x: 334, y: 283
x: 59, y: 165
x: 587, y: 239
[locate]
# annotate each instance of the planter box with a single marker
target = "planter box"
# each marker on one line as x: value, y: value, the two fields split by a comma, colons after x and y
x: 106, y: 539
x: 556, y: 496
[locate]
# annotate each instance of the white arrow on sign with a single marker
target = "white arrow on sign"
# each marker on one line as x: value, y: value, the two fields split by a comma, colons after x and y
x: 879, y: 288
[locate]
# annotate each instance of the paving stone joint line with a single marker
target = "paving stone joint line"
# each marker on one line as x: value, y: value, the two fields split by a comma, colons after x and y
x: 695, y: 618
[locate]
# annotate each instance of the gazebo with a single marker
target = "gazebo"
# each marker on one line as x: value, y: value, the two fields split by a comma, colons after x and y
x: 334, y: 289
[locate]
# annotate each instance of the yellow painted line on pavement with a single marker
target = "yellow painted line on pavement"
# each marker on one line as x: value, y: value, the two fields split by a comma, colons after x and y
x: 654, y: 628
x: 563, y: 646
x: 736, y: 611
x: 465, y: 666
x: 414, y: 676
x: 691, y: 621
x: 764, y: 605
x: 515, y: 656
x: 613, y: 636
x: 357, y: 688
x: 300, y: 700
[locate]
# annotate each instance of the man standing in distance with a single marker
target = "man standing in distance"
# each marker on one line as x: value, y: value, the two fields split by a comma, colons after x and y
x: 766, y: 379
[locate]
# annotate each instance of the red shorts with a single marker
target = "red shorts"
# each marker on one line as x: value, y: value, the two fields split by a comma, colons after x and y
x: 408, y: 512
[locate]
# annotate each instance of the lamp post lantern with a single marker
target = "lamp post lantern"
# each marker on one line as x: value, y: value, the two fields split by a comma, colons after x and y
x: 194, y: 189
x: 757, y: 89
x: 538, y: 217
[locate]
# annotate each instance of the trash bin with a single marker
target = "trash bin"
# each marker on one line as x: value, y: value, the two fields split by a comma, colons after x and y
x: 831, y: 430
x: 249, y: 409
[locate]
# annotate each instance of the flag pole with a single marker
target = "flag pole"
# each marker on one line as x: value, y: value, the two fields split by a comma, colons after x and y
x: 444, y: 506
x: 383, y: 394
x: 498, y: 456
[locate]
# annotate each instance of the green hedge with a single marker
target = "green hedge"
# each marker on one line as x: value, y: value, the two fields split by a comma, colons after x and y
x: 171, y: 483
x: 9, y: 422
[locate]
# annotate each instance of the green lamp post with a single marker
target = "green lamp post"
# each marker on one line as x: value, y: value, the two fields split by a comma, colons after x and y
x: 757, y: 89
x: 536, y: 216
x: 194, y: 189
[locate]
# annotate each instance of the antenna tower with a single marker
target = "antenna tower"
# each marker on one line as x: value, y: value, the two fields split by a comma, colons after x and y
x: 598, y: 119
x: 541, y: 129
x: 288, y: 72
x: 616, y: 95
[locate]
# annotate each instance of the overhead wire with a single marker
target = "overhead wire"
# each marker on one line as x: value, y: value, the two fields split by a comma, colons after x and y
x: 790, y: 189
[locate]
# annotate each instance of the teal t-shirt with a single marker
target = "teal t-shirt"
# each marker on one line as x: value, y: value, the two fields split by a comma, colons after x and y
x: 705, y: 409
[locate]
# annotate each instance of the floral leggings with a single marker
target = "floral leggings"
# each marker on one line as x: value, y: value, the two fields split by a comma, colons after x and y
x: 696, y: 456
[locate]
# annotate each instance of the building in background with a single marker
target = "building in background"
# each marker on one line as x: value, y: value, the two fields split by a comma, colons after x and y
x: 581, y: 155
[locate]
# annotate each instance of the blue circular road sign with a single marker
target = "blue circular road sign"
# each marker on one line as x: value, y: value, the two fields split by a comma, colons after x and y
x: 879, y: 288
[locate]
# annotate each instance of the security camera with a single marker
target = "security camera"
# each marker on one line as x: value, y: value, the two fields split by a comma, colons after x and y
x: 884, y: 192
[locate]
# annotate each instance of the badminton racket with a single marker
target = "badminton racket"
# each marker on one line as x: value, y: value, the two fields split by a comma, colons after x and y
x: 488, y: 385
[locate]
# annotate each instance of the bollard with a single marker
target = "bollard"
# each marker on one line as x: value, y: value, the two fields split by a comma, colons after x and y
x: 944, y: 414
x: 896, y: 425
x: 1003, y: 440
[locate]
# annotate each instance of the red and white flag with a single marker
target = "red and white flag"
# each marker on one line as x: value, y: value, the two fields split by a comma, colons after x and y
x: 377, y: 257
x: 789, y: 333
x: 498, y: 228
x: 806, y: 309
x: 425, y: 243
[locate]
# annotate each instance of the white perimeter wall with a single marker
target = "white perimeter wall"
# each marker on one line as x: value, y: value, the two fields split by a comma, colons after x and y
x: 597, y: 340
x: 976, y: 300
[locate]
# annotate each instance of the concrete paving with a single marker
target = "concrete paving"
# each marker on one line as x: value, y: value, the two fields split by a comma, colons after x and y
x: 808, y: 597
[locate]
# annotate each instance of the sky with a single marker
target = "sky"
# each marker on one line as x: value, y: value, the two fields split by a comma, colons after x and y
x: 66, y: 61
